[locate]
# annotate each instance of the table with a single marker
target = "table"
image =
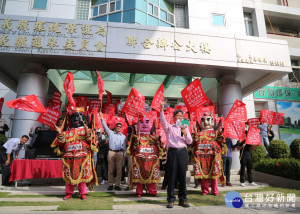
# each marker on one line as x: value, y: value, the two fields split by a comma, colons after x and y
x: 35, y: 168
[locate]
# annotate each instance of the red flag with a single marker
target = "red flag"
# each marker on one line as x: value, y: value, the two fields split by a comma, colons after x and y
x: 238, y: 111
x: 278, y: 119
x: 50, y: 118
x: 162, y: 134
x: 1, y: 103
x: 81, y: 102
x: 234, y: 129
x: 267, y: 116
x: 56, y: 96
x: 100, y: 85
x: 253, y: 136
x: 207, y: 109
x: 93, y: 104
x: 194, y: 96
x: 116, y: 120
x: 218, y: 119
x: 158, y: 98
x: 170, y: 109
x: 109, y: 96
x: 70, y: 88
x: 253, y: 121
x: 182, y: 108
x: 28, y: 103
x: 135, y: 104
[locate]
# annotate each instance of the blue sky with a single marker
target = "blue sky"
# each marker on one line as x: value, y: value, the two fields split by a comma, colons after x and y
x: 290, y: 109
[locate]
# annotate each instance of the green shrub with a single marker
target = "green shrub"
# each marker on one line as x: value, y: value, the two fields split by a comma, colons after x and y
x: 295, y: 148
x: 258, y: 153
x: 3, y: 140
x: 287, y: 167
x: 279, y: 149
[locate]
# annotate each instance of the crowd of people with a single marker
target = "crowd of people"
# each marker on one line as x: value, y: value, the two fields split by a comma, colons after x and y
x: 142, y: 150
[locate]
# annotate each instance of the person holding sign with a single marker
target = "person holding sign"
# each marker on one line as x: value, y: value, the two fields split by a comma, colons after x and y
x: 76, y: 147
x: 245, y: 159
x: 145, y: 151
x: 178, y: 137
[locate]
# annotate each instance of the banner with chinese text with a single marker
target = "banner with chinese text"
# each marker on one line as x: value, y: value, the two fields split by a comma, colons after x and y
x: 194, y: 96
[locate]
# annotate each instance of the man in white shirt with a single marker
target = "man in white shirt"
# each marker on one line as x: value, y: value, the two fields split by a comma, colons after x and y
x: 11, y: 146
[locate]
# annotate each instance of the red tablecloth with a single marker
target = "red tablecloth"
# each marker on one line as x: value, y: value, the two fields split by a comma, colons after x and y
x: 29, y: 169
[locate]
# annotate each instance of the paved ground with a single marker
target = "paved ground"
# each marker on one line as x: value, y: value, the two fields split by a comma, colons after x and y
x: 141, y: 208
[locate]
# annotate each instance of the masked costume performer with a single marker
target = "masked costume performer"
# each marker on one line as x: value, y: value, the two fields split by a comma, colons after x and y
x: 206, y: 156
x: 145, y: 150
x: 76, y: 147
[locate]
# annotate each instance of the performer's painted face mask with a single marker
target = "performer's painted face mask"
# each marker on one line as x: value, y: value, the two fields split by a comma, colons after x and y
x: 76, y: 120
x: 207, y: 122
x: 144, y: 126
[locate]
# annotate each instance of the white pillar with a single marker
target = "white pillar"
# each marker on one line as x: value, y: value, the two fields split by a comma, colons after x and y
x: 230, y: 90
x: 33, y: 80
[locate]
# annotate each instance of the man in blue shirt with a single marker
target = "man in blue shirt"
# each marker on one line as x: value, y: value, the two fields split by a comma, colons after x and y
x: 263, y: 127
x: 6, y: 156
x: 116, y: 154
x: 227, y: 160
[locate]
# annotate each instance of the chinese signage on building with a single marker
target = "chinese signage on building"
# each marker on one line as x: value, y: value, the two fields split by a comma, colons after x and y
x: 280, y: 93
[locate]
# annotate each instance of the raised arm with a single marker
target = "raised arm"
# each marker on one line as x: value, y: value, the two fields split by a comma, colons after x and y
x: 107, y: 130
x: 162, y: 118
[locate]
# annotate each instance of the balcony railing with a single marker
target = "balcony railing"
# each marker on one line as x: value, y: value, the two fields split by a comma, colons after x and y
x: 293, y: 41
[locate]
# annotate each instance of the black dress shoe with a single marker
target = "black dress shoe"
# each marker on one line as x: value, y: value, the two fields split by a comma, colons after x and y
x: 117, y: 188
x: 184, y: 204
x: 110, y: 188
x: 170, y: 205
x: 127, y: 189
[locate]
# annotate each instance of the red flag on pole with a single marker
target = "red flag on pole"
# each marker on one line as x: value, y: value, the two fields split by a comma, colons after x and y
x: 253, y: 136
x: 253, y: 121
x: 100, y: 85
x: 158, y: 98
x: 135, y: 104
x: 234, y: 129
x: 50, y: 118
x: 81, y: 102
x: 238, y: 111
x: 194, y: 96
x: 278, y: 118
x: 267, y: 116
x: 70, y: 88
x: 207, y: 109
x: 28, y: 103
x: 109, y: 96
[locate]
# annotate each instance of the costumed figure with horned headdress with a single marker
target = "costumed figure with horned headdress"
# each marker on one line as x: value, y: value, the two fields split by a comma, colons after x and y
x: 145, y: 150
x: 76, y: 147
x: 206, y: 156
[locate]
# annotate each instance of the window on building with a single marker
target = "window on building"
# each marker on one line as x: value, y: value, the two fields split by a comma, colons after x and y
x: 291, y: 31
x: 102, y: 9
x: 83, y: 8
x: 248, y: 24
x: 152, y: 9
x: 39, y: 4
x: 293, y: 77
x: 112, y: 6
x: 2, y: 6
x: 218, y: 19
x: 180, y: 16
x: 163, y: 15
